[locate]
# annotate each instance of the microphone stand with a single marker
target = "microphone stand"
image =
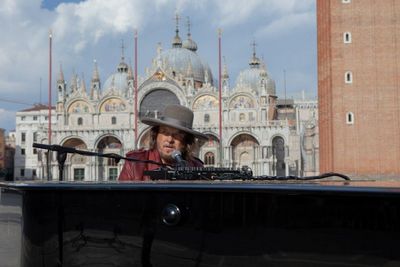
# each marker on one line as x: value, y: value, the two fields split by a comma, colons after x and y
x: 62, y: 152
x: 61, y: 157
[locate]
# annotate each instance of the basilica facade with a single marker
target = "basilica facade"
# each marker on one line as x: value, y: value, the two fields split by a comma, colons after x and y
x: 254, y: 133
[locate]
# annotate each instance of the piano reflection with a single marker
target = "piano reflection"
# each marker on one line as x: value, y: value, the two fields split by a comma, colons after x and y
x: 201, y: 217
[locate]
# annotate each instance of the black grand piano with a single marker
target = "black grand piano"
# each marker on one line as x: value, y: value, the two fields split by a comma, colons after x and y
x: 200, y: 223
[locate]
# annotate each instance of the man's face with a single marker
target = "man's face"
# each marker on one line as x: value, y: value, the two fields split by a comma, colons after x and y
x: 168, y: 140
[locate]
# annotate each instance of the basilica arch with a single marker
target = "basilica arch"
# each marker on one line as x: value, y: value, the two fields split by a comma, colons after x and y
x: 78, y: 113
x: 112, y: 104
x: 205, y: 102
x: 107, y: 168
x: 278, y: 156
x: 242, y: 108
x: 244, y: 148
x: 155, y: 101
x: 79, y: 105
x: 76, y: 166
x: 210, y: 150
x: 242, y: 101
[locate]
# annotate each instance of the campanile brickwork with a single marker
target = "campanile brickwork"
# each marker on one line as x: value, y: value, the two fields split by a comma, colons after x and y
x: 359, y: 114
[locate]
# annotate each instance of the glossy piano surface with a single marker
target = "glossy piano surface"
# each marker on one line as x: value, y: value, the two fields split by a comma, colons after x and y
x: 218, y: 223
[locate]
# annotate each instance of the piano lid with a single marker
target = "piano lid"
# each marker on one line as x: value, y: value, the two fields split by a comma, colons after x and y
x: 331, y: 186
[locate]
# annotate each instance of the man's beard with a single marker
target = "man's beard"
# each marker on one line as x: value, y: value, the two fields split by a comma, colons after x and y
x: 167, y: 158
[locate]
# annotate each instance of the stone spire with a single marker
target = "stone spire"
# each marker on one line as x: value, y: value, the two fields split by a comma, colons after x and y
x: 131, y: 79
x: 83, y: 85
x: 130, y: 73
x: 61, y: 90
x: 263, y: 69
x: 95, y: 83
x: 225, y: 79
x: 225, y: 74
x: 61, y: 75
x: 74, y: 82
x: 95, y: 75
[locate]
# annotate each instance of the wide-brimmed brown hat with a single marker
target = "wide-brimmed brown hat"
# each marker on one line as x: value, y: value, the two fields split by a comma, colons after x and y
x: 175, y: 116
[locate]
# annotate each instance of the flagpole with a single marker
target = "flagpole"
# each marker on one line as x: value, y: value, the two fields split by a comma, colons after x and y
x: 50, y: 69
x: 136, y: 93
x: 220, y: 94
x: 49, y: 176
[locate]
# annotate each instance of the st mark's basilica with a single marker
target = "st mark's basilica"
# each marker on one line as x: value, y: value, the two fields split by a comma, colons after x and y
x: 272, y: 136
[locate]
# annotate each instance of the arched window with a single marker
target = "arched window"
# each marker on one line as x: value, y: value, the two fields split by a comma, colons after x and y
x: 80, y: 121
x: 157, y: 100
x: 347, y: 37
x: 348, y: 77
x: 209, y: 158
x: 113, y: 120
x: 349, y: 118
x: 206, y: 118
x: 278, y: 154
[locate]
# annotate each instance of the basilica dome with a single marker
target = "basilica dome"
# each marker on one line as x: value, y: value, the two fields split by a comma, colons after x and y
x: 190, y: 44
x: 179, y: 60
x: 256, y: 78
x: 182, y: 60
x: 119, y: 80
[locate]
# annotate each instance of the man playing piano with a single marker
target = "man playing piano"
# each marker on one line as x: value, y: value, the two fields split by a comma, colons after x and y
x: 171, y: 137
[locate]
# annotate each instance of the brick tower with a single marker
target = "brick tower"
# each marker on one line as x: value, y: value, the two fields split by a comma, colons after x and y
x: 359, y: 87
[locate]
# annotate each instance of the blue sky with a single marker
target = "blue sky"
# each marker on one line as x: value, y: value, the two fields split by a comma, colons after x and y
x: 84, y: 31
x: 52, y: 4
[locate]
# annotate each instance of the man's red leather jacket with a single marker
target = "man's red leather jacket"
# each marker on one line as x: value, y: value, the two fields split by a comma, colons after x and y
x: 133, y: 171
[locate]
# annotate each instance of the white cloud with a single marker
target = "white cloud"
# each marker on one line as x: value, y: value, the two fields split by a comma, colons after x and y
x: 92, y: 19
x: 234, y: 12
x: 86, y: 30
x: 76, y: 28
x: 287, y: 23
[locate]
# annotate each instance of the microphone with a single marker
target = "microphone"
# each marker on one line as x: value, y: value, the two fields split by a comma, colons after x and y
x: 177, y: 156
x: 64, y: 149
x: 57, y: 148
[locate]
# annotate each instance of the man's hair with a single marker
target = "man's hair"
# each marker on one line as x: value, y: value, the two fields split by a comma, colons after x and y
x: 188, y: 142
